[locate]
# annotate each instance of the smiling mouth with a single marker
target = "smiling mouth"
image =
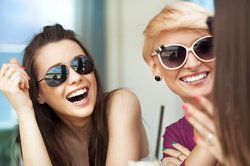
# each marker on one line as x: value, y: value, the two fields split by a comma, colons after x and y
x: 195, y: 78
x: 77, y: 96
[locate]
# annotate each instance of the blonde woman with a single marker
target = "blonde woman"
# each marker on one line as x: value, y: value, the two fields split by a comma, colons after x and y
x: 178, y: 49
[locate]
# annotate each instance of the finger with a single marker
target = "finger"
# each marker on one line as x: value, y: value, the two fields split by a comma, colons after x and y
x: 199, y: 116
x: 9, y: 72
x: 3, y: 69
x: 14, y: 69
x: 23, y: 81
x: 3, y: 83
x: 7, y: 86
x: 181, y: 148
x: 205, y: 103
x: 182, y: 157
x: 14, y: 61
x: 6, y: 67
x: 172, y: 152
x: 171, y: 161
x: 15, y: 82
x: 201, y: 130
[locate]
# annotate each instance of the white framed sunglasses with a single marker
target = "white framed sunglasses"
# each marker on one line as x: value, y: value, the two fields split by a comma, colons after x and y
x: 174, y: 56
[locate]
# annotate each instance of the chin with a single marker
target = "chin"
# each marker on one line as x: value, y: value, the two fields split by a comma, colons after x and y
x: 196, y: 92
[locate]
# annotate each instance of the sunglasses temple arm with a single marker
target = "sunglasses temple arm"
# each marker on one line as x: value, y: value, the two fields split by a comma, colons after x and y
x: 39, y: 81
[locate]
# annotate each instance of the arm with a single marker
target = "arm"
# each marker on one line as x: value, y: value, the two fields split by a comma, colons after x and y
x: 34, y: 151
x: 127, y: 136
x: 200, y: 156
x: 14, y: 85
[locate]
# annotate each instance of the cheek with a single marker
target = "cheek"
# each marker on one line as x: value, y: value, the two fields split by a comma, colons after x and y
x: 168, y: 74
x: 170, y: 77
x: 94, y: 84
x: 211, y: 65
x: 52, y: 96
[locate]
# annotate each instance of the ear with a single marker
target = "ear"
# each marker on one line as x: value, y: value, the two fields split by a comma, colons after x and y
x: 40, y: 99
x: 154, y: 67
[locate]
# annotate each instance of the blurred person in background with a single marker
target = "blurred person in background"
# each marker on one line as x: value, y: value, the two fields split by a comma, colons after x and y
x: 222, y: 124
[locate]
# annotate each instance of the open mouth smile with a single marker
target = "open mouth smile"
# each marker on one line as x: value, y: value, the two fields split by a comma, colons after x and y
x: 195, y: 78
x: 78, y: 96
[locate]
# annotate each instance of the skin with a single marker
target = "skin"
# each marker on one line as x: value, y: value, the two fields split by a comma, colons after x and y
x: 125, y: 127
x: 202, y: 121
x: 56, y: 97
x: 187, y: 91
x: 193, y: 66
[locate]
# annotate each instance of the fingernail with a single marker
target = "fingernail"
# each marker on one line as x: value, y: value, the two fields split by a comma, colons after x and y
x: 198, y: 99
x: 185, y: 107
x: 163, y: 149
x: 173, y: 142
x: 22, y: 67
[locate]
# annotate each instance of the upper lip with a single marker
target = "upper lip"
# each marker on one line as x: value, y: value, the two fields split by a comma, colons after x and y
x: 82, y: 87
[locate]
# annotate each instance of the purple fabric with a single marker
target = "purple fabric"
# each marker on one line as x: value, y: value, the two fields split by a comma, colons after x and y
x: 180, y: 132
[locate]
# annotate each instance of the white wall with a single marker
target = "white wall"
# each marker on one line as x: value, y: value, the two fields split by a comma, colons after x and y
x: 126, y: 20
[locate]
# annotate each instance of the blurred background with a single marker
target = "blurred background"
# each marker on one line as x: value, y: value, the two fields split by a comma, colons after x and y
x: 112, y: 31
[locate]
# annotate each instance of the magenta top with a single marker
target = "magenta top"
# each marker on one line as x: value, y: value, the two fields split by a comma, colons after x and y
x: 180, y: 132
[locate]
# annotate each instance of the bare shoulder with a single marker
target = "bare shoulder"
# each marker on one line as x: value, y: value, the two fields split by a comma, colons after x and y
x: 123, y: 102
x: 123, y: 95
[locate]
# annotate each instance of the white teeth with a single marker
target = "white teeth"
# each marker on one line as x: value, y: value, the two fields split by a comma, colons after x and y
x: 195, y: 78
x: 77, y: 93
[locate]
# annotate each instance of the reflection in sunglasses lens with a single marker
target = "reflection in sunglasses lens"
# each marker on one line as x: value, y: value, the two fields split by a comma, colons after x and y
x: 203, y: 48
x: 173, y: 56
x: 58, y: 74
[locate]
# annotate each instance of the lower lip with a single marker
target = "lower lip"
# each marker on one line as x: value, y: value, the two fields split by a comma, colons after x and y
x: 82, y: 103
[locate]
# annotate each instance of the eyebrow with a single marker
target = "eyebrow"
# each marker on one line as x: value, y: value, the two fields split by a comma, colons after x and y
x: 65, y: 62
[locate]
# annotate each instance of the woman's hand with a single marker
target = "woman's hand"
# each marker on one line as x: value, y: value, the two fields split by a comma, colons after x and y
x: 202, y: 121
x: 176, y: 156
x: 14, y: 83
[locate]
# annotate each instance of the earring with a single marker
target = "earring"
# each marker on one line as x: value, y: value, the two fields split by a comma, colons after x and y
x: 158, y: 78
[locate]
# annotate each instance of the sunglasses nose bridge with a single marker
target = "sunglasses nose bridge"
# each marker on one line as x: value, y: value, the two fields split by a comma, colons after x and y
x: 191, y: 60
x: 73, y: 76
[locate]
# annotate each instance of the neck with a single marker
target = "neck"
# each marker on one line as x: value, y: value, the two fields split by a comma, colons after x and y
x: 80, y: 132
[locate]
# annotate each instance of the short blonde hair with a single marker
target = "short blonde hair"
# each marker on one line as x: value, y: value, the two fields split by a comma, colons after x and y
x: 175, y: 16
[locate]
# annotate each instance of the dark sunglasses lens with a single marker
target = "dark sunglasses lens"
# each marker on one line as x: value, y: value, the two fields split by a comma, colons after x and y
x: 56, y: 75
x: 83, y: 65
x: 204, y: 48
x: 173, y: 56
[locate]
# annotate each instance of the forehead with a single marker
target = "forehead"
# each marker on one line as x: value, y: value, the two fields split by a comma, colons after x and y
x: 182, y: 36
x: 57, y: 52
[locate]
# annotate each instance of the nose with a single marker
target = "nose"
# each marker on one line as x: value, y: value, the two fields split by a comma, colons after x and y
x: 191, y: 61
x: 73, y: 76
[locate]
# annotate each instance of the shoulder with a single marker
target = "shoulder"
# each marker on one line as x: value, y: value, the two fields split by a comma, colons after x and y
x: 122, y: 95
x: 123, y: 103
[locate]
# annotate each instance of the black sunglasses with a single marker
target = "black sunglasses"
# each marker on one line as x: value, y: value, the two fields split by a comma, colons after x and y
x: 56, y: 75
x: 174, y: 56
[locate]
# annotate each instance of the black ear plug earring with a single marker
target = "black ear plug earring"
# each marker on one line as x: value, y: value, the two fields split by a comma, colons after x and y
x: 157, y: 78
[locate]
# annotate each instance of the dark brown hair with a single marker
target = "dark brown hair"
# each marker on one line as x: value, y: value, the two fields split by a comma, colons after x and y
x: 232, y: 82
x: 47, y: 119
